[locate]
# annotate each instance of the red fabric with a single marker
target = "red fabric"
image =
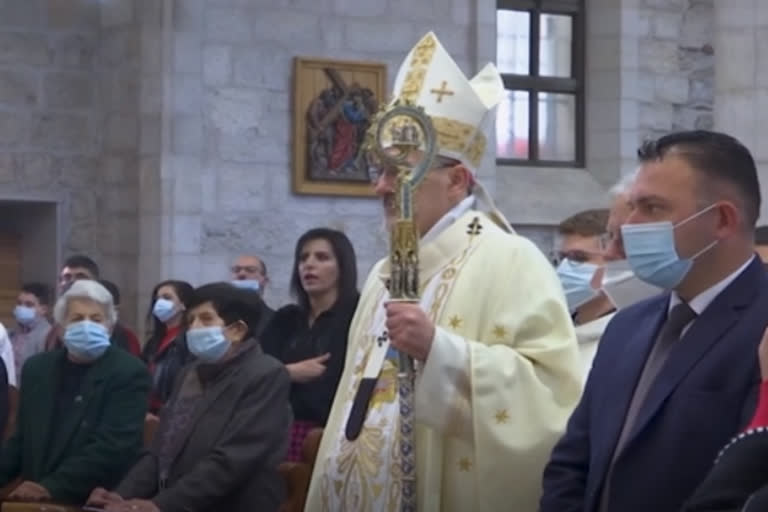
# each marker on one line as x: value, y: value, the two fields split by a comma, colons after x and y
x: 155, y: 403
x: 170, y: 335
x: 760, y: 419
x: 344, y: 144
x: 299, y: 431
x: 134, y: 347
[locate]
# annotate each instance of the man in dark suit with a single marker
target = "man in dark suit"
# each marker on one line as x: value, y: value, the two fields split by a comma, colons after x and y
x: 676, y: 375
x: 81, y: 410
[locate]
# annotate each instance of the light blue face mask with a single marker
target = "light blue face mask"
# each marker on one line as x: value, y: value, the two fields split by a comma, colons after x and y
x: 208, y: 343
x: 24, y: 315
x: 576, y: 279
x: 247, y: 284
x: 86, y: 340
x: 652, y: 252
x: 164, y: 309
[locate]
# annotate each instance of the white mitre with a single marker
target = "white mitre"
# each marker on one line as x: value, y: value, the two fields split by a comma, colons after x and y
x: 460, y: 109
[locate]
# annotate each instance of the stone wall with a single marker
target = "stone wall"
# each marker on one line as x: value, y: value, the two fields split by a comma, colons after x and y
x: 228, y: 155
x: 741, y: 85
x: 119, y: 81
x: 677, y: 66
x: 163, y: 127
x: 50, y: 119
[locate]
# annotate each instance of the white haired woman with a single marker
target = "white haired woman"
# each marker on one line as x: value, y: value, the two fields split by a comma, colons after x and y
x: 82, y: 407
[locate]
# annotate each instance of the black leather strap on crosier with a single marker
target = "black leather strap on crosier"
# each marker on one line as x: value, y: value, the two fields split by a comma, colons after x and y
x: 360, y: 408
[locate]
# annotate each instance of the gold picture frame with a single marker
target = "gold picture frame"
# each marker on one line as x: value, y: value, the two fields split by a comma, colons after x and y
x: 333, y: 102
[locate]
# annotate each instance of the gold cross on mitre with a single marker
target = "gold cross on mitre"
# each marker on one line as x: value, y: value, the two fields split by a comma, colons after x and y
x: 458, y: 107
x: 442, y: 91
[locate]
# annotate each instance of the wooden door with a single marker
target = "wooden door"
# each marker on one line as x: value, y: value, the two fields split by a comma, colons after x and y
x: 10, y: 275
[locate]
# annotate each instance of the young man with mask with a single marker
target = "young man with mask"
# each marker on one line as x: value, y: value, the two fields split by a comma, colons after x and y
x: 32, y: 326
x: 498, y: 369
x: 75, y: 268
x: 663, y: 397
x: 580, y: 253
x: 581, y: 240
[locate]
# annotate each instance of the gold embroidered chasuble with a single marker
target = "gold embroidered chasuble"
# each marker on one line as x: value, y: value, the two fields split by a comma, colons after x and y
x: 492, y: 398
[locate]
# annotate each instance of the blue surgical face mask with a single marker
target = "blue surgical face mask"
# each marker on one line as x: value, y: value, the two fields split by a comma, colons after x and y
x: 576, y: 279
x: 24, y: 315
x: 86, y: 340
x: 247, y: 284
x: 652, y: 252
x: 164, y: 309
x: 208, y: 343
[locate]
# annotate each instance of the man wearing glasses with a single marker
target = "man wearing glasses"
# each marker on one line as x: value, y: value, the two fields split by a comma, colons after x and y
x: 250, y: 272
x: 594, y: 271
x: 580, y: 260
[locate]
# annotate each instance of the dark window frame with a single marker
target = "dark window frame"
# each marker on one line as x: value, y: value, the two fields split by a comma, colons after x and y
x: 534, y: 84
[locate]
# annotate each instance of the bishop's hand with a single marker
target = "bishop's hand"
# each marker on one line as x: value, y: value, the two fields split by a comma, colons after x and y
x: 410, y: 330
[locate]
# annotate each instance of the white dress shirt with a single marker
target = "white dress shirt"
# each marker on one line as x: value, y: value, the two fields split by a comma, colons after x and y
x: 700, y: 302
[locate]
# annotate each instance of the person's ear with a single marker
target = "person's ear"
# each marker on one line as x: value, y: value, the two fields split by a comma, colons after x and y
x: 460, y: 178
x: 238, y: 331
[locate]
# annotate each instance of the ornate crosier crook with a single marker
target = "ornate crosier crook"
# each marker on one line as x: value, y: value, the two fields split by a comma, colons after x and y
x: 402, y: 137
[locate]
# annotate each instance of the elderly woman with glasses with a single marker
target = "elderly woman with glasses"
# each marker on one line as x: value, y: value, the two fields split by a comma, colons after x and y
x: 82, y: 406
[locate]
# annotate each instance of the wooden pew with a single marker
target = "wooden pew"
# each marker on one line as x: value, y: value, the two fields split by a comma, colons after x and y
x: 37, y: 507
x: 150, y: 427
x: 298, y: 474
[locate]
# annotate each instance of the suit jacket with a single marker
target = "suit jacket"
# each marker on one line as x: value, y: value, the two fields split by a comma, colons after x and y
x: 739, y: 480
x: 226, y: 458
x: 101, y: 434
x: 704, y: 394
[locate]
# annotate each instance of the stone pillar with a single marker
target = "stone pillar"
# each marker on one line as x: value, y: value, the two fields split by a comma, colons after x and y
x: 119, y: 84
x: 741, y: 81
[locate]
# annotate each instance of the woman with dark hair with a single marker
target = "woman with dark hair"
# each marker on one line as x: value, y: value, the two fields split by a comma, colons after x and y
x: 166, y: 352
x: 310, y: 337
x: 223, y: 432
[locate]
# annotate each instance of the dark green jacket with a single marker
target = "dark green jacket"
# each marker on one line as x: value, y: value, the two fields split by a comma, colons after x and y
x: 103, y: 430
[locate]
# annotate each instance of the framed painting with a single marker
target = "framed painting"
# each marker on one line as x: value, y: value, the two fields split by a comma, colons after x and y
x: 334, y: 101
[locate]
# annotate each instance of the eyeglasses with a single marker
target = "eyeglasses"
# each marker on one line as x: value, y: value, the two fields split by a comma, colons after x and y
x: 248, y: 269
x: 575, y: 256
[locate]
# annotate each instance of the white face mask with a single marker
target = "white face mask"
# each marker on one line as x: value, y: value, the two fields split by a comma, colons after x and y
x: 622, y: 287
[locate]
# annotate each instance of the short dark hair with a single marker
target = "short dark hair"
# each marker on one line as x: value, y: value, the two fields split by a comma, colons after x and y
x: 82, y: 261
x: 263, y: 267
x: 345, y: 257
x: 587, y: 223
x: 717, y: 156
x: 39, y: 290
x: 232, y: 304
x: 761, y: 235
x: 112, y: 289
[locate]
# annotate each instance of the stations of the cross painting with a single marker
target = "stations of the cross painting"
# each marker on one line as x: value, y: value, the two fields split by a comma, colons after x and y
x: 442, y: 91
